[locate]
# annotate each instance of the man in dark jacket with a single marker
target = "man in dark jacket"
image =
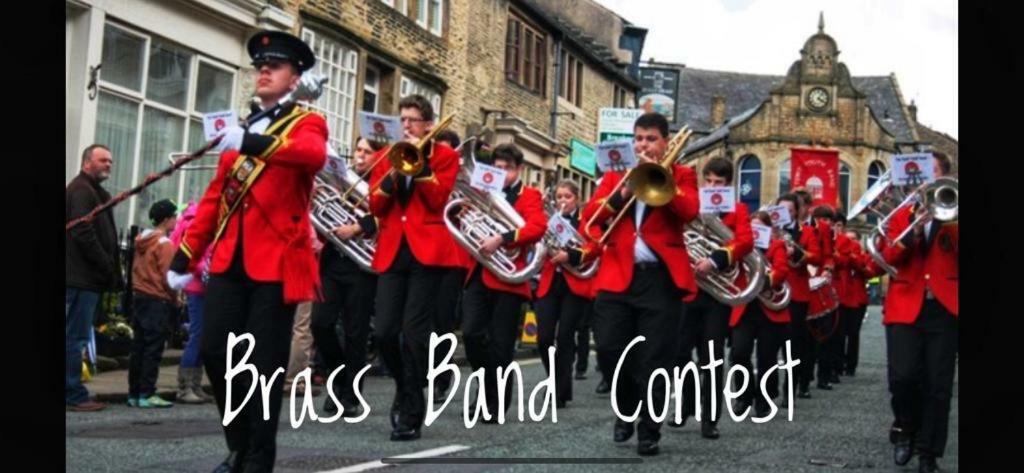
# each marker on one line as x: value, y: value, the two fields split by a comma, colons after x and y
x: 91, y: 267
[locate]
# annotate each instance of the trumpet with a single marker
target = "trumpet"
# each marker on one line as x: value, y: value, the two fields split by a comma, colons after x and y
x: 406, y: 158
x: 939, y: 201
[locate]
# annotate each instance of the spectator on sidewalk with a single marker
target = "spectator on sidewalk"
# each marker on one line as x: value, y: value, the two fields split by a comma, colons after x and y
x: 91, y: 267
x: 155, y: 302
x: 190, y: 371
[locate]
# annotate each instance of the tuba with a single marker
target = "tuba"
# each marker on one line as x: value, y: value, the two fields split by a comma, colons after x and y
x: 339, y: 202
x: 773, y: 299
x: 551, y: 242
x: 706, y: 234
x: 884, y: 199
x: 472, y: 216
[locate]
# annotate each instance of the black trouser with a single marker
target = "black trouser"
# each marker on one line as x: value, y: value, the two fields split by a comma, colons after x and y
x: 803, y: 345
x: 405, y: 307
x: 704, y: 320
x: 236, y: 303
x: 583, y: 337
x: 649, y: 307
x: 769, y: 335
x: 149, y: 328
x: 348, y: 295
x: 922, y: 363
x: 447, y: 312
x: 830, y: 349
x: 852, y: 318
x: 490, y: 324
x: 558, y: 315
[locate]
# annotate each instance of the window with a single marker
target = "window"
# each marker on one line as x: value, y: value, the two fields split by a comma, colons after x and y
x: 749, y: 182
x: 784, y: 177
x: 422, y: 13
x: 619, y: 97
x: 525, y: 55
x: 400, y: 5
x: 436, y: 16
x: 152, y: 96
x: 411, y: 86
x: 585, y: 182
x: 570, y: 84
x: 875, y: 172
x: 371, y: 90
x: 339, y: 64
x: 844, y: 186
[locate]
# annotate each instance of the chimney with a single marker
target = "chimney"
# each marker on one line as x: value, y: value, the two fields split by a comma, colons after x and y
x: 913, y: 111
x: 717, y: 110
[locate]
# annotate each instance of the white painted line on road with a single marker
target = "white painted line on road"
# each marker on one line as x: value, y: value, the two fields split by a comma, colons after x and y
x: 434, y: 452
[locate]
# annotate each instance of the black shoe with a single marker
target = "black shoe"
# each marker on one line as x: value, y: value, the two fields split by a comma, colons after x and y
x: 804, y: 392
x: 604, y: 387
x: 708, y: 430
x: 330, y: 408
x: 581, y: 375
x: 560, y: 404
x: 351, y: 410
x: 824, y: 385
x: 647, y: 447
x: 403, y: 433
x: 439, y: 394
x: 834, y: 379
x: 675, y: 425
x: 740, y: 406
x: 231, y: 464
x: 623, y: 431
x: 926, y: 464
x: 902, y: 452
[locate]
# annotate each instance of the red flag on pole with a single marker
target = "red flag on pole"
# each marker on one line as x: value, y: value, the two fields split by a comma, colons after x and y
x: 816, y: 170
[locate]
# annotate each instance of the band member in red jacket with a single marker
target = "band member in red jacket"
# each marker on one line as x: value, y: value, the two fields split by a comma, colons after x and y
x: 806, y: 250
x: 492, y: 307
x: 255, y: 213
x: 644, y: 274
x: 413, y: 251
x: 823, y: 311
x: 755, y: 322
x: 851, y: 274
x: 562, y: 299
x: 921, y: 322
x: 705, y: 319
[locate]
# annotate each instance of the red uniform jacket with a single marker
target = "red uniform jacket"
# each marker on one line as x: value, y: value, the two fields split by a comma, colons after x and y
x: 274, y: 213
x: 662, y: 230
x: 776, y: 256
x: 850, y: 273
x: 579, y: 287
x: 527, y: 202
x: 934, y: 268
x: 419, y: 221
x: 799, y: 284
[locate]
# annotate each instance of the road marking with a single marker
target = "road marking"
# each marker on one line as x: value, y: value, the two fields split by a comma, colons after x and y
x: 434, y: 452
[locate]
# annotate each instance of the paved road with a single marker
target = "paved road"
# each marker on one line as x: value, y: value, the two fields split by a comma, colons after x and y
x: 841, y: 429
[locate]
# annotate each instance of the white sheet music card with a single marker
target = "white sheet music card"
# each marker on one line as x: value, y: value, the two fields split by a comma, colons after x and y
x: 762, y: 235
x: 779, y: 215
x: 559, y: 226
x: 912, y: 169
x: 336, y: 165
x: 380, y: 128
x: 214, y: 122
x: 487, y: 178
x: 717, y: 199
x: 615, y: 155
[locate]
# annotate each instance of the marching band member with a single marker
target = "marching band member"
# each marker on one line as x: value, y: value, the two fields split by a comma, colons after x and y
x: 823, y: 315
x: 644, y: 274
x: 851, y: 273
x: 804, y: 242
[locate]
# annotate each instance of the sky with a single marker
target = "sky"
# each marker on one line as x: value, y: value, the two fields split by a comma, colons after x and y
x: 915, y: 39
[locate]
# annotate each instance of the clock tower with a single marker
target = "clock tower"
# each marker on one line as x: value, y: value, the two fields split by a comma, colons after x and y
x: 818, y: 73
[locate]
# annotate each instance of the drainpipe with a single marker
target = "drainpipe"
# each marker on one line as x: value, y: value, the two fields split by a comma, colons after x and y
x: 553, y: 132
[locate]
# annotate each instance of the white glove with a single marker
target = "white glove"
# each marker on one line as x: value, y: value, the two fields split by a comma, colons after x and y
x: 231, y: 139
x: 178, y: 281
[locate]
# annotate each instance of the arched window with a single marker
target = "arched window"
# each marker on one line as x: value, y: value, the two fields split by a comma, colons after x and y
x: 749, y: 182
x: 844, y: 186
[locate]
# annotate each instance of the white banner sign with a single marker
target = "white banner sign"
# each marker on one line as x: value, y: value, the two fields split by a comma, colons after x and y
x: 487, y: 178
x: 912, y: 169
x: 779, y: 215
x: 380, y: 128
x: 214, y: 122
x: 560, y: 227
x: 717, y: 199
x: 762, y: 235
x: 615, y: 155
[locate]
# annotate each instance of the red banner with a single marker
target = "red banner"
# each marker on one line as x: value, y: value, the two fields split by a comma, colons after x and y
x: 816, y: 170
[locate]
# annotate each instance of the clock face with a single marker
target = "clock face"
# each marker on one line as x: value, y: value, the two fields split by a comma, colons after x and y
x: 817, y: 98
